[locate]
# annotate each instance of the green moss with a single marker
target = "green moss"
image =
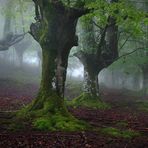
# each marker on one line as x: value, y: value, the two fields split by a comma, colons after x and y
x: 86, y: 100
x: 119, y: 133
x: 59, y: 122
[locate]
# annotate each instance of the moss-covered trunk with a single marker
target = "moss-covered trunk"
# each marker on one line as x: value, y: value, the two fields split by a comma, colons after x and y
x: 55, y: 31
x: 48, y: 73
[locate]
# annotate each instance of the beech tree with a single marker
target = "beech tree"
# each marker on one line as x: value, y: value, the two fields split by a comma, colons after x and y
x: 54, y: 30
x: 97, y: 53
x: 105, y: 54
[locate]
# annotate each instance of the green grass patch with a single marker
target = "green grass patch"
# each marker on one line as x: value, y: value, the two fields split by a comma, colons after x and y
x: 119, y: 133
x: 88, y: 101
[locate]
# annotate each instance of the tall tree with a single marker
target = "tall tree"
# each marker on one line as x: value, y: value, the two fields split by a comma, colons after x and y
x: 98, y: 54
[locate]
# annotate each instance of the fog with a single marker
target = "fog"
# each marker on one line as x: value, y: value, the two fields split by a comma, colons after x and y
x: 118, y: 79
x: 23, y: 60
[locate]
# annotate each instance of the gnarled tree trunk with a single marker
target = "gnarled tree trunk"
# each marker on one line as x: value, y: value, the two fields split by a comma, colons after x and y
x: 56, y: 35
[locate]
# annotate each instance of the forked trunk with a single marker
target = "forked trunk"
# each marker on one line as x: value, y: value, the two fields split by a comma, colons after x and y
x: 56, y: 35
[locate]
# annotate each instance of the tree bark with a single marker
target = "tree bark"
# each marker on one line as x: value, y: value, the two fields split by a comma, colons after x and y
x: 92, y: 67
x: 91, y: 84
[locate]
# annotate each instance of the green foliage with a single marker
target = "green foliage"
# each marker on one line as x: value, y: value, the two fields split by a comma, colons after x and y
x: 129, y: 19
x: 86, y: 100
x: 87, y: 36
x: 127, y: 16
x: 119, y: 133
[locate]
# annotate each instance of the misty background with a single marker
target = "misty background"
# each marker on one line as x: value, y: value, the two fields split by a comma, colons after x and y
x: 22, y: 62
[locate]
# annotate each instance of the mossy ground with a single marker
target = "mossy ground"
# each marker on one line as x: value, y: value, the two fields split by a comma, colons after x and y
x: 86, y: 100
x: 50, y: 116
x: 115, y: 132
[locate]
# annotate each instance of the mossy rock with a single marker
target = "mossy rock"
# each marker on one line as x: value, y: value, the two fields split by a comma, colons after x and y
x: 88, y: 101
x: 115, y: 132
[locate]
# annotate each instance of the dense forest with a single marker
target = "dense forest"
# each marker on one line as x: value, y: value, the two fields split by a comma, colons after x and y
x: 74, y: 73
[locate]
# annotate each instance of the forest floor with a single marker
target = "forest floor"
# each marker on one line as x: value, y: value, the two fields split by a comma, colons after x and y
x: 126, y: 113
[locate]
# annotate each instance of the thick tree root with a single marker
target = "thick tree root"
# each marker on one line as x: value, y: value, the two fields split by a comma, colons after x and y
x: 51, y: 115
